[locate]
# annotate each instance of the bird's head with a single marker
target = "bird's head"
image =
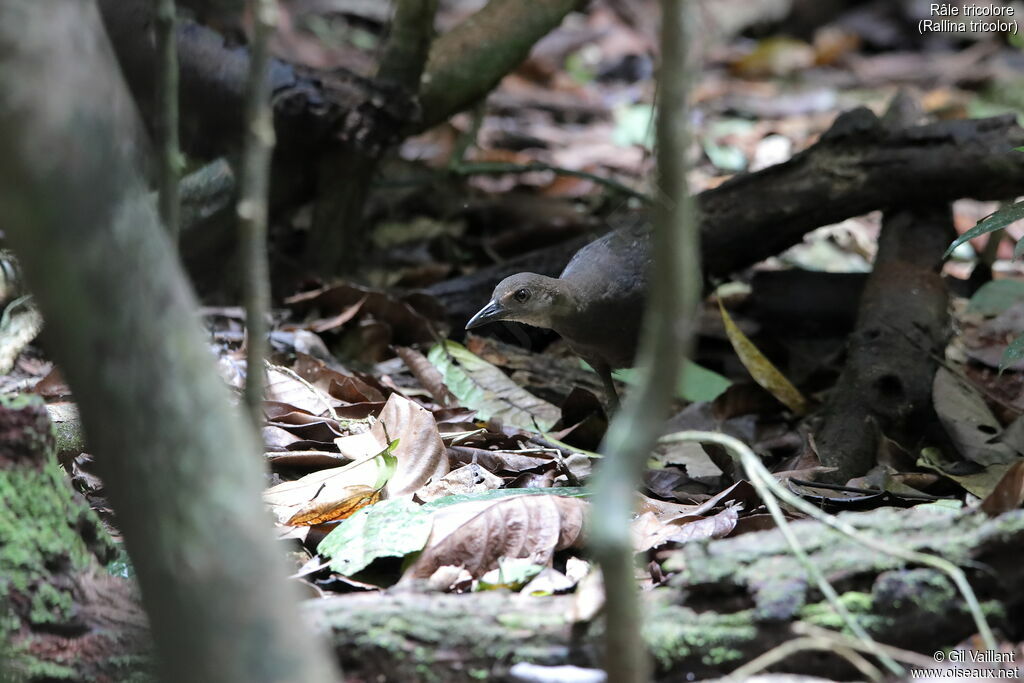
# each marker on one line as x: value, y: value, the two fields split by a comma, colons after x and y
x: 526, y: 298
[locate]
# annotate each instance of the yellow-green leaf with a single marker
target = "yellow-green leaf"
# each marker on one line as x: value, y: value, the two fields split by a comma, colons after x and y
x: 762, y: 369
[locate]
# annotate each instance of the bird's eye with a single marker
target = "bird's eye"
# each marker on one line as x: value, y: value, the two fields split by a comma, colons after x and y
x: 522, y: 295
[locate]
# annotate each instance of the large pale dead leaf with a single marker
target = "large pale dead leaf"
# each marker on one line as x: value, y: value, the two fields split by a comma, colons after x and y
x: 486, y: 389
x: 285, y: 387
x: 979, y: 480
x: 969, y: 422
x: 471, y: 478
x: 477, y: 535
x: 421, y: 453
x: 322, y: 490
x: 649, y: 532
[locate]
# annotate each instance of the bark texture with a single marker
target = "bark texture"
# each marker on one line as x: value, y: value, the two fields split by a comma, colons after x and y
x: 894, y: 351
x: 309, y: 108
x: 181, y: 467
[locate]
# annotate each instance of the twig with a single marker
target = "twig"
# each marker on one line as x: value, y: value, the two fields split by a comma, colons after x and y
x: 899, y: 654
x: 792, y: 647
x: 770, y: 489
x: 252, y: 204
x: 167, y: 117
x: 665, y: 341
x: 867, y: 492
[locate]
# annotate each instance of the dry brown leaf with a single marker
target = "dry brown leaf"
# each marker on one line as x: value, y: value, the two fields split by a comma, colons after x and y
x: 649, y: 532
x: 284, y: 388
x: 471, y: 478
x: 421, y: 453
x: 1008, y: 493
x: 427, y: 375
x: 476, y: 535
x: 286, y: 500
x: 323, y: 511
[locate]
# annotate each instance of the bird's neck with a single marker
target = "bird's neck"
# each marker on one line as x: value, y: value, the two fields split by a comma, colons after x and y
x: 566, y: 308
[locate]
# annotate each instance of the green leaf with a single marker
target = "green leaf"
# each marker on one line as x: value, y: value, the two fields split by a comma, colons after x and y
x: 995, y: 221
x: 489, y: 391
x: 495, y: 494
x: 1018, y: 250
x: 391, y: 528
x: 994, y: 297
x: 695, y: 383
x: 634, y: 126
x: 387, y: 464
x: 512, y: 574
x: 1013, y: 353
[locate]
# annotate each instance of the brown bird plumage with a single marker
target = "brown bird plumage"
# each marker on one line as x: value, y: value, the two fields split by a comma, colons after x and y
x: 596, y: 304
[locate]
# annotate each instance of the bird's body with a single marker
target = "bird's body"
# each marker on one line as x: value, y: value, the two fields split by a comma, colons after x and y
x: 596, y: 304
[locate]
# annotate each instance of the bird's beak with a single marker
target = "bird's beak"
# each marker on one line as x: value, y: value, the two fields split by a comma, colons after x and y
x: 489, y: 313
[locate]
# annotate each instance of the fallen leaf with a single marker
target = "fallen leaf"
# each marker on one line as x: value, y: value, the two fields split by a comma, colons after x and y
x: 321, y: 512
x: 391, y: 528
x: 762, y: 369
x: 486, y: 389
x: 649, y: 532
x: 1008, y: 494
x: 420, y: 452
x: 968, y: 421
x: 477, y: 535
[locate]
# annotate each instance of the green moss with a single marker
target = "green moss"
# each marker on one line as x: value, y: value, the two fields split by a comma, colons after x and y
x: 39, y: 536
x: 858, y: 604
x: 675, y: 632
x: 50, y: 605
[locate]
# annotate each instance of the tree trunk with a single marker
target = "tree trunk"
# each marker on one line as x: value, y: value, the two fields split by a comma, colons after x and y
x: 182, y: 467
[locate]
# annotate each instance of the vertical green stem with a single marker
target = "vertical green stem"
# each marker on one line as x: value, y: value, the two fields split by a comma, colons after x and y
x: 667, y: 335
x: 167, y: 118
x: 252, y: 204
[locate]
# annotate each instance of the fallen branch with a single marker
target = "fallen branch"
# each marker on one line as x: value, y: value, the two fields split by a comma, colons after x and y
x: 857, y: 166
x: 730, y: 600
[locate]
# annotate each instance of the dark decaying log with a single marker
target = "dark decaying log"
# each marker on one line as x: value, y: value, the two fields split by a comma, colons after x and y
x: 858, y: 166
x: 902, y: 327
x: 310, y: 108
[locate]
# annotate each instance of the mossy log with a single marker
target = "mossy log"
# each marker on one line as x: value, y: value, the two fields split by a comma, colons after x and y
x: 729, y: 601
x: 64, y: 616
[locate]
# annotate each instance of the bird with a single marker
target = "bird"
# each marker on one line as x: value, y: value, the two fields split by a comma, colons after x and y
x: 596, y: 304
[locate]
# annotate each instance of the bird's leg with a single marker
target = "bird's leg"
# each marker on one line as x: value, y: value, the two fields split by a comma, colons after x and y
x: 612, y: 396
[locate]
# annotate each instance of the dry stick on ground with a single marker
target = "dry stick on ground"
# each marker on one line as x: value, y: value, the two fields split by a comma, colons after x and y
x: 666, y: 338
x: 253, y: 207
x: 181, y: 468
x: 167, y: 116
